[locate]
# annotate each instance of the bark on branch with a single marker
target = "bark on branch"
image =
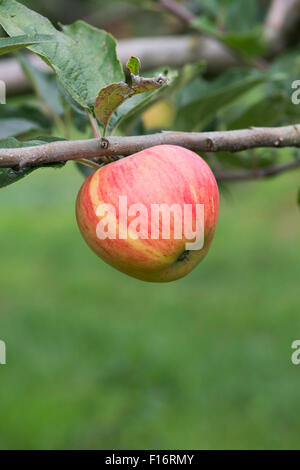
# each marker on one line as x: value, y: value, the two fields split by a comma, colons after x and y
x: 233, y: 141
x: 257, y: 173
x: 178, y: 10
x: 282, y: 24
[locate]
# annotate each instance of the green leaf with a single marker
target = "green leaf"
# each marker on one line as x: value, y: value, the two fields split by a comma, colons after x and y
x: 241, y: 15
x: 205, y: 25
x: 112, y: 96
x: 247, y: 44
x: 133, y: 65
x: 95, y: 58
x: 79, y: 115
x: 16, y: 120
x: 283, y: 72
x: 246, y: 159
x: 266, y: 112
x: 44, y: 84
x: 11, y: 44
x: 216, y: 96
x: 10, y: 175
x: 212, y: 7
x: 298, y: 198
x: 85, y: 60
x: 41, y: 140
x: 16, y: 126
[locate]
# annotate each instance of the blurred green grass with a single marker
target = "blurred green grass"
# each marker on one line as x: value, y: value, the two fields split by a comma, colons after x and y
x: 96, y: 359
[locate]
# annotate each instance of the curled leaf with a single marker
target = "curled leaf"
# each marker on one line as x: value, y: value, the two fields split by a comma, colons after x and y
x: 133, y: 65
x: 113, y: 95
x: 18, y: 42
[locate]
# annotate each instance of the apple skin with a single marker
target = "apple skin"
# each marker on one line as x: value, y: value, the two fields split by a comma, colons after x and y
x: 162, y: 174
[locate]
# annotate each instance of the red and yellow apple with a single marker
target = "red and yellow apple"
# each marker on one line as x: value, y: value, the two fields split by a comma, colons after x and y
x: 166, y: 175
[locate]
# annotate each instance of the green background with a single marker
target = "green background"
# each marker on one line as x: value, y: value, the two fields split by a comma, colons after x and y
x: 96, y: 359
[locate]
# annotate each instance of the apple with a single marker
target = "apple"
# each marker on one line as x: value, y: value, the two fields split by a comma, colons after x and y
x: 143, y: 214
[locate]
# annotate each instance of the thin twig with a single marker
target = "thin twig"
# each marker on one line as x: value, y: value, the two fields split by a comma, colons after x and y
x: 94, y: 125
x: 178, y: 10
x: 282, y: 24
x: 258, y: 173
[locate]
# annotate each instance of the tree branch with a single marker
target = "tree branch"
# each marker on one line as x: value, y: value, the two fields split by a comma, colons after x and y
x: 232, y: 141
x: 178, y: 10
x: 282, y: 24
x: 176, y: 51
x: 259, y: 173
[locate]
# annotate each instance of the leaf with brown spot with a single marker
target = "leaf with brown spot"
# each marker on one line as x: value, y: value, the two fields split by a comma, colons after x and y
x: 113, y: 95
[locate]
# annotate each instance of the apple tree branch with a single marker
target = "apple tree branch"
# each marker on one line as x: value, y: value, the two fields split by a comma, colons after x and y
x: 118, y: 147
